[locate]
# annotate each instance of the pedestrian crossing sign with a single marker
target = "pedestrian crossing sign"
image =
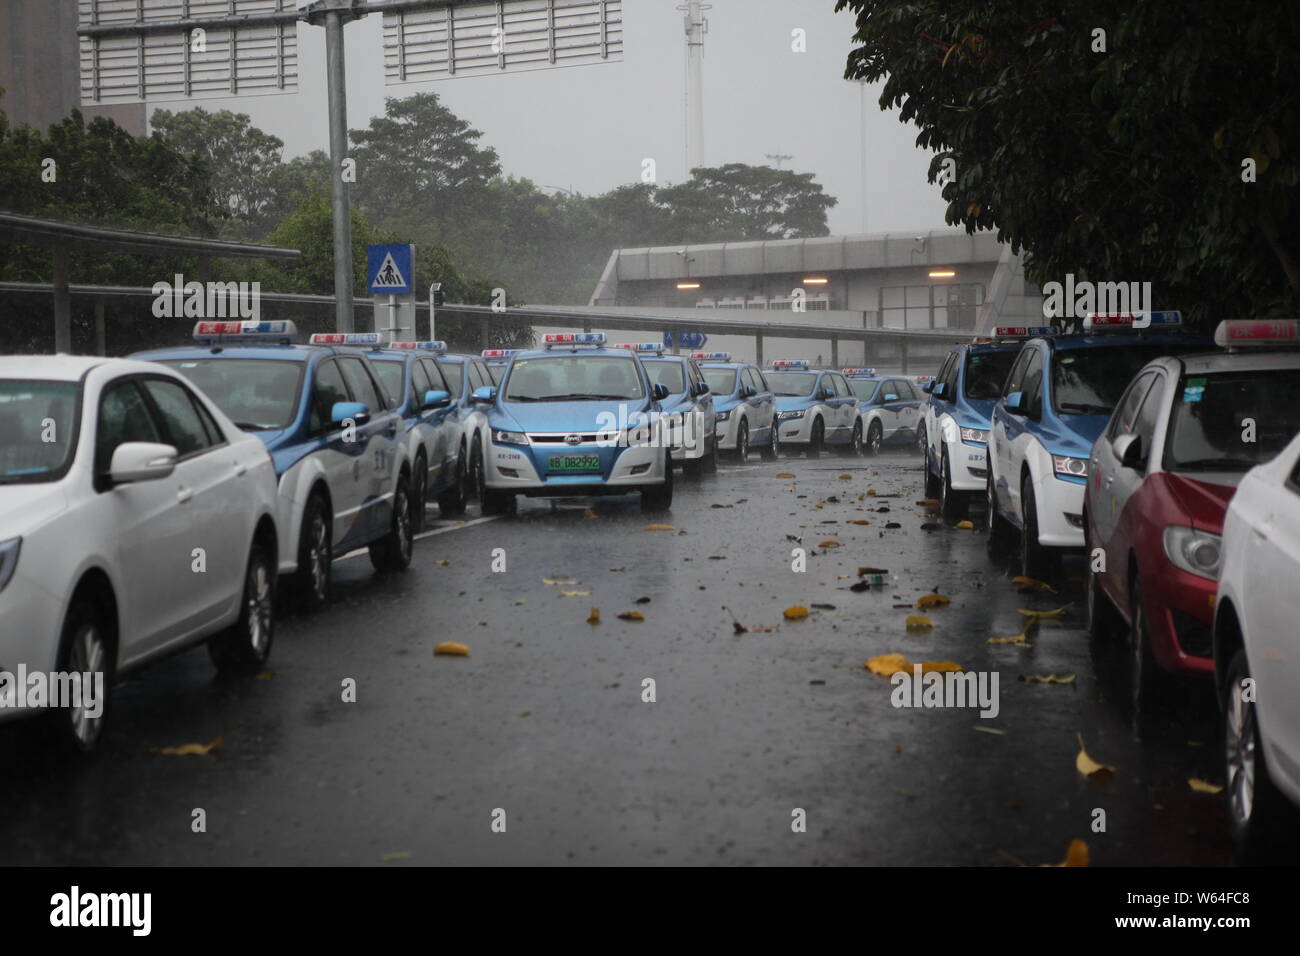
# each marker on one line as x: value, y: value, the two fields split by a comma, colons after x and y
x: 390, y: 269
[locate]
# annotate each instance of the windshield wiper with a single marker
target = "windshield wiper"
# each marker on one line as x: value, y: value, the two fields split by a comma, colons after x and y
x: 1084, y: 408
x: 254, y: 427
x: 524, y: 398
x: 586, y: 396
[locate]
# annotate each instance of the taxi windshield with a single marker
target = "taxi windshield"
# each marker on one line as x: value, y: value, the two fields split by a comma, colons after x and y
x: 256, y: 394
x: 722, y: 381
x: 986, y: 372
x: 37, y: 430
x: 1232, y: 421
x: 390, y: 374
x: 791, y: 384
x: 495, y: 371
x: 573, y: 378
x: 1089, y: 381
x: 864, y: 388
x: 668, y: 374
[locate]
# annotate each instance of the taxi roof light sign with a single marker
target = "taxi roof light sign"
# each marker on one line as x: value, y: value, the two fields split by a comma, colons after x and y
x: 641, y: 346
x: 791, y: 363
x: 711, y: 356
x: 346, y: 338
x: 858, y: 371
x: 1022, y: 331
x: 1126, y: 321
x: 552, y: 339
x: 499, y: 353
x: 1258, y: 333
x: 425, y: 346
x: 278, y: 331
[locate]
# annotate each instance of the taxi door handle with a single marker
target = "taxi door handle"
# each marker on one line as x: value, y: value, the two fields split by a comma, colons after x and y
x: 240, y: 469
x: 184, y: 495
x: 391, y: 429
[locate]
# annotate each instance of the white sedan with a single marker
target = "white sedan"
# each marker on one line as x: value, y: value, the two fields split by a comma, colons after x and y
x: 1257, y: 655
x: 135, y: 520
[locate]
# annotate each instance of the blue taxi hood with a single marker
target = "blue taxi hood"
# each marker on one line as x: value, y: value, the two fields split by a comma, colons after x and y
x: 976, y: 412
x: 788, y: 403
x: 564, y: 416
x: 1072, y: 435
x: 671, y: 403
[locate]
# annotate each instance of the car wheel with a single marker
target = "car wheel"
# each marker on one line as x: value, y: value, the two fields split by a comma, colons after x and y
x: 1036, y: 561
x: 659, y: 497
x: 999, y: 529
x: 85, y: 650
x: 952, y: 504
x: 244, y: 647
x: 1102, y: 617
x: 452, y: 501
x: 854, y: 448
x: 419, y: 492
x: 491, y: 502
x: 921, y: 443
x: 1147, y: 682
x: 693, y: 467
x: 817, y: 439
x: 1260, y: 819
x: 875, y: 438
x: 772, y: 450
x: 392, y: 552
x: 315, y: 555
x: 933, y: 485
x: 742, y: 442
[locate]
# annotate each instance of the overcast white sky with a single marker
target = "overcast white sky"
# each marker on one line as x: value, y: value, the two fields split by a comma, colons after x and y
x: 588, y: 128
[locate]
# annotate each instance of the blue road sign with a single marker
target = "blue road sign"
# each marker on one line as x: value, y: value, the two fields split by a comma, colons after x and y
x: 668, y: 340
x: 391, y: 269
x: 687, y: 340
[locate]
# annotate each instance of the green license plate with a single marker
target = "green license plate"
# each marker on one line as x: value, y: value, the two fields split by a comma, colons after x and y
x: 580, y: 463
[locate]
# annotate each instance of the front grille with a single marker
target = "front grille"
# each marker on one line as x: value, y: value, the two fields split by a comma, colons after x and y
x: 1193, y: 636
x: 559, y: 439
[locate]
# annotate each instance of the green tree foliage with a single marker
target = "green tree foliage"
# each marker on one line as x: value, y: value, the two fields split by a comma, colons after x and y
x: 739, y: 201
x: 1108, y: 141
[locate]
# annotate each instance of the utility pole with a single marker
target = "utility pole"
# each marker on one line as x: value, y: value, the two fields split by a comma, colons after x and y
x: 778, y: 158
x: 696, y: 25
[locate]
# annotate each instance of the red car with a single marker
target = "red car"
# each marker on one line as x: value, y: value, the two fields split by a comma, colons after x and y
x: 1162, y: 474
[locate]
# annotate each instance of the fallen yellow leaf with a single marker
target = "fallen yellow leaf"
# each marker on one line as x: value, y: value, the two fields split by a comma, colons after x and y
x: 589, y: 513
x: 267, y: 674
x: 444, y: 562
x: 1031, y: 584
x: 965, y: 526
x: 796, y: 612
x: 828, y: 544
x: 451, y: 649
x: 1203, y: 786
x: 1075, y: 855
x: 888, y: 664
x: 1039, y: 615
x: 564, y: 593
x: 1049, y: 679
x: 932, y: 600
x: 659, y: 527
x: 785, y: 474
x: 1019, y: 640
x: 919, y: 622
x: 846, y: 477
x: 1089, y: 767
x: 859, y: 521
x: 929, y: 667
x: 632, y: 616
x: 929, y: 502
x: 188, y: 750
x: 871, y: 492
x: 398, y: 855
x: 594, y: 616
x: 550, y: 582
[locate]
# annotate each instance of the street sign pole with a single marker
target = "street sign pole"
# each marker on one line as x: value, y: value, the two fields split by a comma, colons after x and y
x: 433, y: 332
x: 338, y: 110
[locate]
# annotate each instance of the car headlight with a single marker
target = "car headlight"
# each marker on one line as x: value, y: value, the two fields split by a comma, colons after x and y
x: 786, y: 416
x: 977, y: 435
x: 1073, y: 467
x: 1196, y: 552
x: 509, y: 438
x: 9, y: 559
x: 722, y: 416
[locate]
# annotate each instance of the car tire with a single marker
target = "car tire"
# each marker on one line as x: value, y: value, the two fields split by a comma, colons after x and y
x: 772, y: 450
x: 392, y: 552
x: 693, y: 467
x: 1000, y: 530
x: 952, y: 504
x: 490, y: 502
x: 711, y: 458
x: 854, y: 447
x: 742, y: 442
x: 1036, y: 561
x: 1103, y: 619
x: 921, y: 442
x: 933, y: 484
x: 875, y: 438
x: 1147, y: 681
x: 243, y: 648
x: 817, y: 439
x: 83, y: 648
x: 315, y: 555
x: 451, y: 502
x: 659, y: 497
x: 1260, y: 819
x: 419, y: 494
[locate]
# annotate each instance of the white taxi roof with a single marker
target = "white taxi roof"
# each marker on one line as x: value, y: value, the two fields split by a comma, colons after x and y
x: 1260, y: 359
x: 64, y: 368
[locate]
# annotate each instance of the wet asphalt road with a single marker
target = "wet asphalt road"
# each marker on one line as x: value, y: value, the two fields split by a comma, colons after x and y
x: 545, y: 719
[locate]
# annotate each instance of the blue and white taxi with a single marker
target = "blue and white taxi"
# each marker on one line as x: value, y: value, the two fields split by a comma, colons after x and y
x: 467, y: 376
x: 573, y: 419
x: 954, y: 434
x: 744, y: 408
x: 888, y: 408
x: 436, y: 445
x: 687, y: 412
x: 1056, y: 400
x: 815, y: 408
x: 339, y: 452
x: 135, y: 521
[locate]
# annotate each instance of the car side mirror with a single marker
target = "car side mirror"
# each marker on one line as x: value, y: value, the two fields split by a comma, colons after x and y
x: 749, y: 391
x: 437, y: 398
x: 1016, y: 403
x: 342, y: 411
x: 940, y: 390
x: 1128, y: 449
x: 660, y: 392
x: 928, y: 387
x: 485, y: 393
x: 702, y: 388
x: 141, y: 461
